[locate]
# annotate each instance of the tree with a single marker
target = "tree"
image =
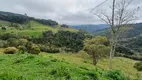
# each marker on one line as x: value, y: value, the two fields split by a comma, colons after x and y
x: 48, y: 38
x: 97, y: 48
x: 119, y: 19
x: 70, y: 41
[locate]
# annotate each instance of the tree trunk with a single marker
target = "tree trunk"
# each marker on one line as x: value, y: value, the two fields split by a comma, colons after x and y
x: 94, y: 61
x: 113, y: 33
x: 110, y: 58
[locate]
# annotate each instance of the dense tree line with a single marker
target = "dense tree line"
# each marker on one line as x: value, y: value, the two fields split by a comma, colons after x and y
x: 70, y: 41
x: 48, y: 42
x: 19, y: 18
x: 12, y: 17
x: 45, y: 22
x: 63, y: 40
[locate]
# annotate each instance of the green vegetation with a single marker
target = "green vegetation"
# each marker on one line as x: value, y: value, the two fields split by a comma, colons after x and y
x: 131, y: 39
x: 82, y: 59
x: 29, y: 46
x: 21, y: 19
x: 30, y: 67
x: 35, y: 30
x: 138, y: 66
x: 10, y: 50
x: 96, y: 48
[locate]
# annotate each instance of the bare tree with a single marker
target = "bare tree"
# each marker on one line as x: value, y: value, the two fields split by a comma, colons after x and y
x: 119, y: 19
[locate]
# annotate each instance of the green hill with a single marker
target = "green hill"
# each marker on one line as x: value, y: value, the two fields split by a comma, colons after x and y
x: 32, y: 67
x: 60, y: 53
x: 21, y: 19
x: 130, y: 40
x: 35, y: 30
x: 24, y: 25
x: 79, y: 66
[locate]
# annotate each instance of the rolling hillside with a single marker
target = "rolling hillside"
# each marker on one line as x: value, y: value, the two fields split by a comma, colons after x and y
x: 35, y: 30
x: 131, y: 40
x: 31, y: 65
x: 44, y: 50
x: 24, y: 25
x: 90, y: 27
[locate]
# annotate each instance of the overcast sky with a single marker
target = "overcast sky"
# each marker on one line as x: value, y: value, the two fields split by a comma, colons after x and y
x: 62, y: 11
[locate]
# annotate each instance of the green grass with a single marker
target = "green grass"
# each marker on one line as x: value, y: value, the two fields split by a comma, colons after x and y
x: 119, y: 63
x: 37, y: 67
x: 35, y: 30
x: 4, y: 23
x: 125, y: 65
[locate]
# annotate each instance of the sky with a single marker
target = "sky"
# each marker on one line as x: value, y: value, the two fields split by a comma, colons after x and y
x: 71, y: 12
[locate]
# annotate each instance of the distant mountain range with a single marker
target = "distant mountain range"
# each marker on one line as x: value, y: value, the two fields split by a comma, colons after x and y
x: 131, y: 41
x: 133, y: 38
x: 91, y: 28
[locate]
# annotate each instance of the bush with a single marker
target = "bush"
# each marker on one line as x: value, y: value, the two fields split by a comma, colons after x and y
x: 13, y: 42
x: 22, y: 49
x: 10, y: 50
x: 115, y: 75
x: 23, y: 42
x: 44, y: 48
x: 35, y: 50
x: 32, y: 48
x: 138, y: 66
x: 83, y: 54
x: 17, y: 42
x: 62, y: 72
x: 3, y: 44
x: 8, y: 35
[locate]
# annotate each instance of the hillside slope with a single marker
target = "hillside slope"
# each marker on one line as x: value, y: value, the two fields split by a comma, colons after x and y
x: 23, y: 18
x: 32, y: 67
x: 78, y: 60
x: 119, y: 63
x: 35, y: 30
x: 131, y: 40
x: 90, y: 27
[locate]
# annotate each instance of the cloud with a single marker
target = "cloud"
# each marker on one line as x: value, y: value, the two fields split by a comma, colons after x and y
x: 63, y: 11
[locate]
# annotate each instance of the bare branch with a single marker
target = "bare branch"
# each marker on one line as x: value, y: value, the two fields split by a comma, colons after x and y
x: 98, y: 5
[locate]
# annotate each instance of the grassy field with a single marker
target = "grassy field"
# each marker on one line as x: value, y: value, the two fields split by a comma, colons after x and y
x: 35, y: 30
x: 37, y: 67
x: 119, y: 63
x: 44, y: 65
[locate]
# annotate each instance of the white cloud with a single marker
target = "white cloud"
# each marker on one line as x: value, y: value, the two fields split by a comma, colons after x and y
x: 63, y: 11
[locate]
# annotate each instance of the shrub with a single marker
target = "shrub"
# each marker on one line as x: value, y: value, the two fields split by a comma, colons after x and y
x: 7, y: 36
x: 17, y: 42
x: 43, y: 48
x: 115, y: 75
x: 83, y: 54
x: 3, y: 44
x: 47, y: 49
x: 138, y: 66
x: 10, y: 50
x: 22, y: 49
x: 23, y: 42
x: 35, y: 49
x: 62, y: 72
x: 13, y: 42
x: 53, y: 50
x: 32, y: 48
